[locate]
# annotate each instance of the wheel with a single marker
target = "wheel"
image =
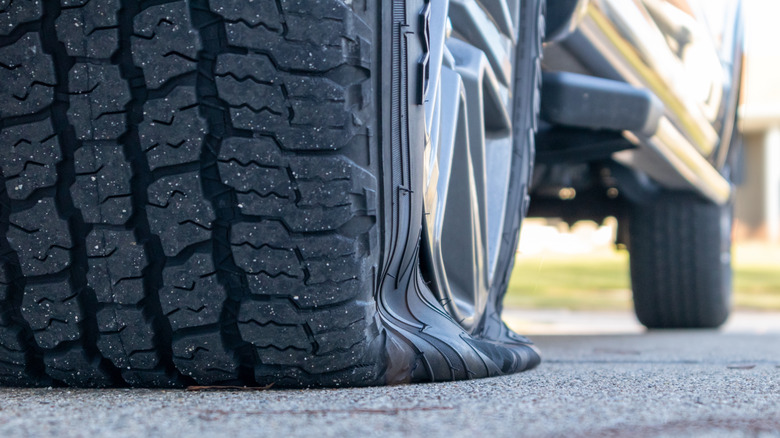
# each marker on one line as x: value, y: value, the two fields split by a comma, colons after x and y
x: 680, y: 250
x: 229, y: 192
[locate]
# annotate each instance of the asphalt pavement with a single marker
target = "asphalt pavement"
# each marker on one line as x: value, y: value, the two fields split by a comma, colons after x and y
x: 615, y: 381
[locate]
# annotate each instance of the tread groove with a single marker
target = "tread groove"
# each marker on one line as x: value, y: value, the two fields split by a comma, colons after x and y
x: 222, y: 198
x: 98, y: 369
x: 32, y: 368
x: 140, y: 181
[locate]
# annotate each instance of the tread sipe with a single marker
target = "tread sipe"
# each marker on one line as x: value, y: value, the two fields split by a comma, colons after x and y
x: 192, y: 192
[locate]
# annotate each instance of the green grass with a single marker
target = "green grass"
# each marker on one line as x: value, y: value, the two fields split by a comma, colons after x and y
x: 601, y: 281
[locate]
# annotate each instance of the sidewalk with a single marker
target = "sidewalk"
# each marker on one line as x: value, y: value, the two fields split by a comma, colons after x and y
x: 566, y: 322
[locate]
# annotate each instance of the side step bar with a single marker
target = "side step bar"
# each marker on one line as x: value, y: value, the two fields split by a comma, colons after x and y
x: 582, y: 101
x: 663, y: 152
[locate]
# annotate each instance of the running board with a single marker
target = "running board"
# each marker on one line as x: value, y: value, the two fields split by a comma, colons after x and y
x: 663, y: 153
x: 581, y: 101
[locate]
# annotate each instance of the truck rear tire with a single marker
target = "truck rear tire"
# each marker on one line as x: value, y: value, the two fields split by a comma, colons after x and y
x: 681, y: 271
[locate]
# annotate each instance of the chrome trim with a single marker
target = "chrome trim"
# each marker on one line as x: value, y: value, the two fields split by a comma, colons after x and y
x: 567, y: 18
x: 668, y: 158
x: 634, y: 46
x: 653, y: 44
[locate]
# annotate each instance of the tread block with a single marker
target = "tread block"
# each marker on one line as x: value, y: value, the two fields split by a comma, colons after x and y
x: 191, y: 295
x: 27, y: 75
x: 263, y: 13
x: 257, y: 180
x: 268, y: 261
x: 126, y: 338
x: 205, y: 356
x: 28, y: 158
x: 336, y: 269
x: 333, y: 318
x: 116, y: 264
x: 325, y: 10
x: 12, y: 357
x: 343, y: 330
x: 300, y: 47
x: 309, y: 193
x: 326, y: 269
x: 264, y: 98
x: 260, y: 257
x: 308, y: 296
x: 264, y: 175
x: 324, y: 363
x: 299, y: 220
x: 89, y: 28
x: 41, y: 239
x: 173, y: 130
x: 179, y: 212
x: 277, y: 336
x: 5, y: 287
x: 165, y: 44
x: 11, y: 348
x: 102, y: 190
x: 116, y: 269
x: 13, y: 13
x: 261, y: 151
x: 97, y: 101
x: 53, y: 312
x: 13, y: 352
x: 76, y: 368
x: 303, y: 112
x: 340, y: 340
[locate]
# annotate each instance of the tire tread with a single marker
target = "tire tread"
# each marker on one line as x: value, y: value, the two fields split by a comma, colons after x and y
x: 169, y: 229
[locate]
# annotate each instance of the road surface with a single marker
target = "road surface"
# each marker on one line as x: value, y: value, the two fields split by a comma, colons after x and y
x: 615, y: 381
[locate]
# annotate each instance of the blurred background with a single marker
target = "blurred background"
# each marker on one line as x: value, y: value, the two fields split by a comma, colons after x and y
x: 579, y: 268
